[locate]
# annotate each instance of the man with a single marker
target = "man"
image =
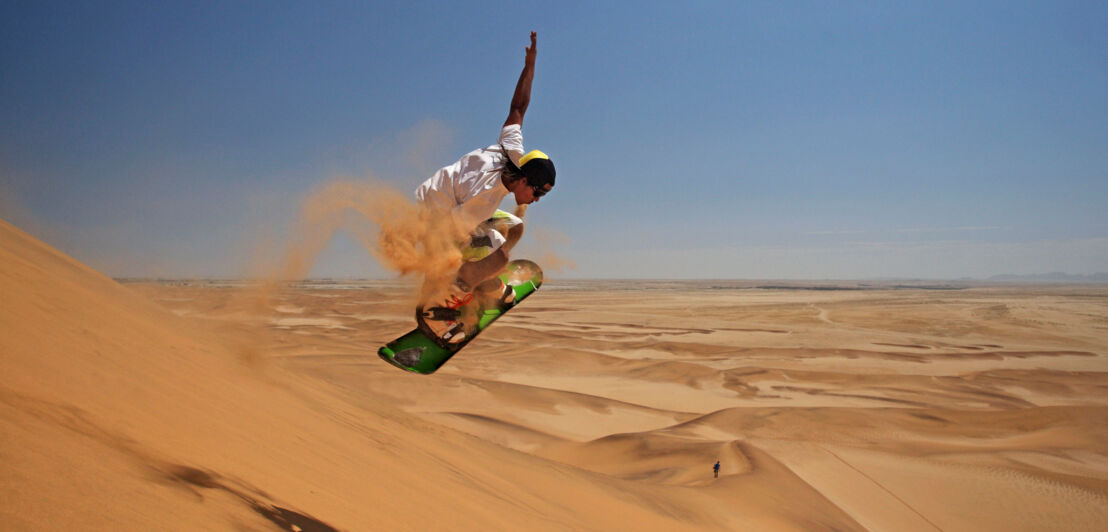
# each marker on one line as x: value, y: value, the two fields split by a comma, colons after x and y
x: 470, y: 191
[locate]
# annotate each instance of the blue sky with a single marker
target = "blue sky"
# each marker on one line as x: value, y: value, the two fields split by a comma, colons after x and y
x: 812, y: 140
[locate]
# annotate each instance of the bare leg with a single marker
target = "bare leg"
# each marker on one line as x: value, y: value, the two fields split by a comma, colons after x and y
x: 475, y: 273
x: 445, y: 320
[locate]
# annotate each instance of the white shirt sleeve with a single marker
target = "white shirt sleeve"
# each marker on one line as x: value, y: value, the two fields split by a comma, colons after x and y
x: 511, y: 138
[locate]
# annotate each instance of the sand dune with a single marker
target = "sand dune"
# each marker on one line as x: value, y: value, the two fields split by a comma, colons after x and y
x: 223, y: 405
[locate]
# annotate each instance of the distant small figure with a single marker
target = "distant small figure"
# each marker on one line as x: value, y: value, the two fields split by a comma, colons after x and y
x: 715, y: 469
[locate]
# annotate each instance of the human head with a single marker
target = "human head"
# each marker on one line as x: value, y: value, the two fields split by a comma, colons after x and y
x: 539, y: 171
x: 537, y: 177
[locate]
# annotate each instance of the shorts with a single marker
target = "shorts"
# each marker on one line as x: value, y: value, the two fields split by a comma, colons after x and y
x: 489, y: 236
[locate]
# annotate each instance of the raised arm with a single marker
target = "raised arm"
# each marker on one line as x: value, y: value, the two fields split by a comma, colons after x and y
x: 522, y: 96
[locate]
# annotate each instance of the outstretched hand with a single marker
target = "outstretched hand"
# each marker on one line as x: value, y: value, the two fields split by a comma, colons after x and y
x: 531, y: 49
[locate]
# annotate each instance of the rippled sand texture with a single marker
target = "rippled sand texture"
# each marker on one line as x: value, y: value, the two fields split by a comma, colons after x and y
x: 208, y: 405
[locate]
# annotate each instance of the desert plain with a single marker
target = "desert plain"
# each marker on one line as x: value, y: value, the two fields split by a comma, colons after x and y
x: 594, y: 405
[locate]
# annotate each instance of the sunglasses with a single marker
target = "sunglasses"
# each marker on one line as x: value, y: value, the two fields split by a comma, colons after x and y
x: 538, y: 192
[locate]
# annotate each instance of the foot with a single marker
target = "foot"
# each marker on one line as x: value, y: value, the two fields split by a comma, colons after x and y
x: 495, y: 293
x: 442, y: 319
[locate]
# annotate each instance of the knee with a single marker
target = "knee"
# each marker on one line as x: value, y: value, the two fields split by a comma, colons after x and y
x: 513, y: 236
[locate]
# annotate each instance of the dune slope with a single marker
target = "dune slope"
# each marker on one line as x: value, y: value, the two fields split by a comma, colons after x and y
x: 212, y: 405
x: 115, y: 413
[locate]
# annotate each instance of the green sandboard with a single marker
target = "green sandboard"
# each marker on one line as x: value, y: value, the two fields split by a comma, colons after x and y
x: 422, y: 353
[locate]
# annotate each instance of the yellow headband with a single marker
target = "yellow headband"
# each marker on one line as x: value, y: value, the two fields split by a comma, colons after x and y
x: 533, y: 154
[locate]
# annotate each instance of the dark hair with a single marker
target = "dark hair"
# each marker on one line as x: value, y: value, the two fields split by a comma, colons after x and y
x: 539, y: 172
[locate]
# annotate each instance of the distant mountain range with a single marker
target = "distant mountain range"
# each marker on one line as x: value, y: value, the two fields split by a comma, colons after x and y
x: 1052, y: 277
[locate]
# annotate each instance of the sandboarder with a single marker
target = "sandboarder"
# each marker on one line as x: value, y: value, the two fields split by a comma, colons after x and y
x: 470, y: 192
x: 715, y: 469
